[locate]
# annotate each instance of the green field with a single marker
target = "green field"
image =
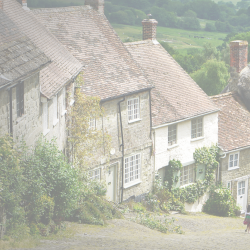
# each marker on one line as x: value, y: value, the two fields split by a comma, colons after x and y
x: 233, y: 1
x: 177, y: 38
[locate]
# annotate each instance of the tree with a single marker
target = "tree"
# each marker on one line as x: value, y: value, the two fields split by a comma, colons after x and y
x: 87, y: 137
x: 212, y: 77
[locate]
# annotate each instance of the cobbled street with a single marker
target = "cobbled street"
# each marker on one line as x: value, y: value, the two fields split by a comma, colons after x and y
x: 201, y: 232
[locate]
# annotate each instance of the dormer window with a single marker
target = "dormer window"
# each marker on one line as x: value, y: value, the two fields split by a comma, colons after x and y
x: 133, y: 110
x: 20, y: 99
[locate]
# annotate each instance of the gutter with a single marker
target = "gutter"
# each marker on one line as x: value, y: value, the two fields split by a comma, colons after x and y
x: 123, y: 95
x: 122, y: 145
x: 238, y: 149
x: 186, y: 119
x: 11, y: 119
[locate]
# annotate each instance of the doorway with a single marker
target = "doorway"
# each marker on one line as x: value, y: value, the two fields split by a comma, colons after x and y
x: 242, y: 187
x: 111, y: 182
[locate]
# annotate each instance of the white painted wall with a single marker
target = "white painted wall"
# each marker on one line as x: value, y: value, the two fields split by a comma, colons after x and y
x: 185, y: 146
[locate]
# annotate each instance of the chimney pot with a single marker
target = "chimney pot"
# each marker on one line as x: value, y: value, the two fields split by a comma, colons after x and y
x: 149, y: 29
x: 96, y: 4
x: 238, y: 55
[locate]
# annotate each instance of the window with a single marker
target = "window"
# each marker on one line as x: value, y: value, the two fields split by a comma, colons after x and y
x: 55, y: 110
x: 197, y: 127
x: 241, y: 187
x: 20, y: 99
x: 172, y: 135
x: 233, y: 161
x: 95, y: 174
x: 92, y: 123
x: 229, y: 185
x: 187, y: 175
x: 133, y: 109
x: 132, y: 169
x: 72, y: 97
x: 63, y: 102
x: 45, y: 118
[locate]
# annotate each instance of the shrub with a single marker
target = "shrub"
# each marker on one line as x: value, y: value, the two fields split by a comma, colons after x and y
x: 220, y: 202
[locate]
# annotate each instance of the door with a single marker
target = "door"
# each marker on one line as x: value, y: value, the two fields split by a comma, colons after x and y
x: 242, y: 187
x: 111, y: 182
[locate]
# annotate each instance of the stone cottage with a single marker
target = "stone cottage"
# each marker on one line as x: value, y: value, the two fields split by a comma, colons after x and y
x: 234, y: 126
x: 112, y: 74
x: 183, y: 116
x: 20, y: 64
x: 48, y: 107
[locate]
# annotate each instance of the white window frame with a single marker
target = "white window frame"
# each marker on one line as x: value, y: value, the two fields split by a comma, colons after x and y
x: 232, y: 159
x: 64, y: 111
x: 92, y: 123
x: 170, y: 130
x: 72, y: 97
x: 95, y: 174
x: 55, y: 110
x: 132, y: 174
x: 187, y: 171
x: 197, y: 133
x: 133, y: 113
x: 45, y: 118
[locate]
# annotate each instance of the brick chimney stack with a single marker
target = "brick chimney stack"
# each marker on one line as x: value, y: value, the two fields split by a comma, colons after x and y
x: 96, y: 4
x: 1, y: 4
x: 238, y: 55
x: 24, y: 4
x: 149, y: 29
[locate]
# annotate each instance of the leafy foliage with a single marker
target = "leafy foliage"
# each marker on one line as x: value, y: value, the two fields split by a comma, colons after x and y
x: 220, y: 202
x: 86, y: 142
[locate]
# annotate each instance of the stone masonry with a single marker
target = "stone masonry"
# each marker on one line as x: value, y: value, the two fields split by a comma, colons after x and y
x: 232, y: 175
x: 238, y: 55
x: 136, y: 140
x: 149, y: 29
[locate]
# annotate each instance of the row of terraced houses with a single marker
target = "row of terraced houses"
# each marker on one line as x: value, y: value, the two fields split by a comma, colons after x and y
x: 154, y: 111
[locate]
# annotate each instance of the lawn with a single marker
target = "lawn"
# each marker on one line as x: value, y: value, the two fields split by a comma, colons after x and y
x: 233, y: 1
x: 177, y: 38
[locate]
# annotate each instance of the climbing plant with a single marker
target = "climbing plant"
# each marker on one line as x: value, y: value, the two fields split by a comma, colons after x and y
x: 206, y: 156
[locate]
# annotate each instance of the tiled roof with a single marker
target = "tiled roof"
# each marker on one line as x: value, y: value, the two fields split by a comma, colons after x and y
x: 109, y: 69
x: 19, y: 57
x: 64, y: 66
x: 176, y: 96
x: 234, y: 122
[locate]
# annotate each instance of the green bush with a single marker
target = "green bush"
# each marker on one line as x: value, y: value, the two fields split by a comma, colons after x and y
x: 220, y: 202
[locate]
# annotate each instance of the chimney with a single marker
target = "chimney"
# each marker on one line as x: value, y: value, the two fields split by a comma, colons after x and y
x: 96, y: 4
x: 238, y: 55
x: 149, y: 29
x: 1, y: 4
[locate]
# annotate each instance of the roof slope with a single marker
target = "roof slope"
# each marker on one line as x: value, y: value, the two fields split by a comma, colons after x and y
x: 19, y: 57
x: 63, y: 67
x: 176, y: 96
x: 234, y: 121
x: 109, y: 69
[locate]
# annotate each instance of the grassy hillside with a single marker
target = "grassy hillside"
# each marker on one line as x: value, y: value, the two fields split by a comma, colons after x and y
x: 233, y: 1
x: 178, y: 39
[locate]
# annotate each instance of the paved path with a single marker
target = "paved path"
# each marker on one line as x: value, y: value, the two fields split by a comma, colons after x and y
x: 201, y: 232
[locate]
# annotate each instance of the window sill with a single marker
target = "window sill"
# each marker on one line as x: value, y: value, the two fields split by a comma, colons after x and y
x: 173, y: 146
x: 186, y: 185
x: 64, y: 112
x: 132, y: 121
x: 132, y: 184
x: 19, y: 119
x: 46, y: 132
x: 55, y: 122
x: 197, y: 139
x: 229, y: 169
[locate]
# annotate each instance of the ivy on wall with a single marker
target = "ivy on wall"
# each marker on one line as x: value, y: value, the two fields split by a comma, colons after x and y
x: 206, y: 156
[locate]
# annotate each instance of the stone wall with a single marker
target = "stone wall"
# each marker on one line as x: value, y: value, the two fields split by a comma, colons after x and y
x: 29, y: 127
x: 234, y: 175
x: 136, y: 140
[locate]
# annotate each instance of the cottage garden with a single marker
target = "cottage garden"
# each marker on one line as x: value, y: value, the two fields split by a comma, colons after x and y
x: 40, y: 190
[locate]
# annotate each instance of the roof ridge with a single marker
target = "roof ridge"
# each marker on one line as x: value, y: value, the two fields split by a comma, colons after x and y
x: 222, y: 95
